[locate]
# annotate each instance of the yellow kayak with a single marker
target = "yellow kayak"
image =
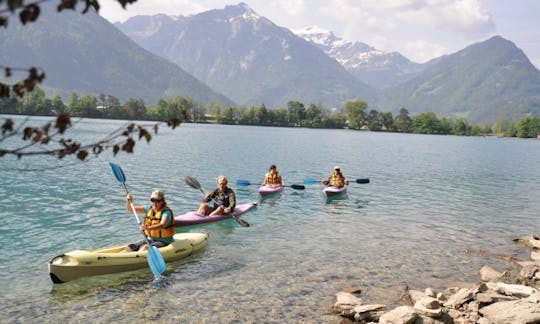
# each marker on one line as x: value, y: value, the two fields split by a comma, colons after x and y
x: 84, y: 263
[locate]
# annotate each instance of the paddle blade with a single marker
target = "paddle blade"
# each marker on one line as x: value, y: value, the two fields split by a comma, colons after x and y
x: 193, y: 183
x: 242, y: 182
x: 310, y: 181
x: 298, y: 187
x: 155, y: 261
x: 240, y: 221
x: 118, y: 173
x: 362, y: 180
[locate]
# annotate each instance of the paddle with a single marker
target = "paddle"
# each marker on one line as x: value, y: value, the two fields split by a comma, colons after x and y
x: 193, y: 183
x: 242, y: 182
x: 312, y: 181
x: 154, y: 258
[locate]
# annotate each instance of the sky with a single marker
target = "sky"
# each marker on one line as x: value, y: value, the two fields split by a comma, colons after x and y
x: 418, y: 29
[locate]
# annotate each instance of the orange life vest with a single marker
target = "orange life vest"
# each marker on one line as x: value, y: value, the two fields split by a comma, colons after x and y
x: 153, y: 219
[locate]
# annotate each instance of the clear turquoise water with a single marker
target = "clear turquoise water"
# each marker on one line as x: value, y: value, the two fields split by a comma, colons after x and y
x: 430, y: 197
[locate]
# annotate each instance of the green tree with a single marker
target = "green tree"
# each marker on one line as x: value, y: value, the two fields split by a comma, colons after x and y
x: 387, y: 121
x: 402, y: 122
x: 88, y: 106
x: 426, y: 123
x: 136, y: 109
x: 355, y: 112
x: 297, y: 112
x: 528, y: 127
x: 461, y: 127
x: 314, y: 116
x: 261, y: 115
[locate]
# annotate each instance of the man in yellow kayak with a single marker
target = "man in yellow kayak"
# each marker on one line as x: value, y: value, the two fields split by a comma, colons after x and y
x: 158, y: 223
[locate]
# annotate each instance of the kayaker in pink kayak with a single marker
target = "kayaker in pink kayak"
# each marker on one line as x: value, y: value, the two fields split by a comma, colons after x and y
x: 223, y: 196
x: 336, y: 179
x: 272, y: 177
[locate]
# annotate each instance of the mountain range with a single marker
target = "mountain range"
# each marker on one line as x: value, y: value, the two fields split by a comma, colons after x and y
x: 247, y: 57
x: 484, y: 82
x: 88, y: 55
x: 369, y: 65
x: 235, y: 56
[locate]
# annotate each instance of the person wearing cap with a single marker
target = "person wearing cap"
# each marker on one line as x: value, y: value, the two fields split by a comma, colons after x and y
x: 158, y: 223
x: 224, y: 199
x: 336, y: 179
x: 272, y: 177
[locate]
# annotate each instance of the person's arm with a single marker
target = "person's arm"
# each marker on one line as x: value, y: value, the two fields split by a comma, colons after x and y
x: 138, y: 209
x: 232, y: 202
x: 265, y: 180
x: 209, y: 196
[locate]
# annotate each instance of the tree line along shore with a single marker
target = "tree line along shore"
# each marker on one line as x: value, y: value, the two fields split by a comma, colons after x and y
x: 353, y: 115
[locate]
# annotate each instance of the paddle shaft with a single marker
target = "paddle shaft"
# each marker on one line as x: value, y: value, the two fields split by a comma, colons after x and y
x: 248, y: 183
x: 135, y: 214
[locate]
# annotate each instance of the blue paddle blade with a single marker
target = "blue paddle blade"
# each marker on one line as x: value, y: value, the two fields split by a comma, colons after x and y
x: 310, y: 181
x: 241, y: 182
x: 298, y: 187
x: 362, y: 180
x: 118, y: 173
x: 155, y: 261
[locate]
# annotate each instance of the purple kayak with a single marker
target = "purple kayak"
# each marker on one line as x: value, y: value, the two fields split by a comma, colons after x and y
x: 268, y: 190
x: 332, y: 190
x: 193, y: 217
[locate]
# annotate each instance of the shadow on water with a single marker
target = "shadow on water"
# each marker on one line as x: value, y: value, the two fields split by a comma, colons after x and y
x: 271, y: 200
x: 336, y: 199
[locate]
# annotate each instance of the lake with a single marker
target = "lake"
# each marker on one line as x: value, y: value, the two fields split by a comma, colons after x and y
x: 430, y: 200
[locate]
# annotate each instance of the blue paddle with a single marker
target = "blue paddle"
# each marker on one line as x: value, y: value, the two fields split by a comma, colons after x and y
x: 154, y: 258
x: 242, y: 182
x: 312, y: 181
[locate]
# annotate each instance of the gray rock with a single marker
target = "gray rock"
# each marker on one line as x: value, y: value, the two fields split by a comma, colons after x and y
x: 399, y: 315
x: 461, y: 297
x: 515, y: 311
x: 487, y: 273
x: 511, y: 290
x: 346, y: 301
x: 428, y: 306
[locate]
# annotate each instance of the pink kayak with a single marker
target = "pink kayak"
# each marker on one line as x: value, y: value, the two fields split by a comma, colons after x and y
x: 268, y: 190
x: 332, y: 190
x: 193, y: 217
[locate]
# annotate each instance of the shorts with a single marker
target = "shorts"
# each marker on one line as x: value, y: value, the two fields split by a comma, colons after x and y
x: 137, y: 246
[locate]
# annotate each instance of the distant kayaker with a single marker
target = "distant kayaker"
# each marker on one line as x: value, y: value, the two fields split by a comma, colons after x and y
x: 158, y: 223
x: 336, y: 179
x: 272, y: 177
x: 224, y: 199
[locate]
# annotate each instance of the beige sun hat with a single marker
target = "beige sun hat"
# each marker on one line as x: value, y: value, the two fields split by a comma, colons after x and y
x: 157, y: 194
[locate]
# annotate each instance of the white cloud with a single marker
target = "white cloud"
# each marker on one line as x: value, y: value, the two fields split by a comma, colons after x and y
x: 421, y: 51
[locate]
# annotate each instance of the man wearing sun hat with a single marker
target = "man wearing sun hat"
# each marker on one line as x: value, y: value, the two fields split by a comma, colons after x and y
x: 158, y: 223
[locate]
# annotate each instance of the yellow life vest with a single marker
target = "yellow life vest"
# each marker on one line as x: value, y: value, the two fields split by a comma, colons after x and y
x: 153, y: 219
x: 336, y: 180
x: 273, y: 179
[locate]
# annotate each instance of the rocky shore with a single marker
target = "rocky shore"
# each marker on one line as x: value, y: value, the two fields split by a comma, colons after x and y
x: 507, y: 297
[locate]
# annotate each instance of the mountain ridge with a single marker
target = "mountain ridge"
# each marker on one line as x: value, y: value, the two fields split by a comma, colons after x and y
x: 88, y: 55
x: 234, y: 49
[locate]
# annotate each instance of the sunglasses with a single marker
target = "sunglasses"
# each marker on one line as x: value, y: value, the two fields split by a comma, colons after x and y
x: 155, y: 200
